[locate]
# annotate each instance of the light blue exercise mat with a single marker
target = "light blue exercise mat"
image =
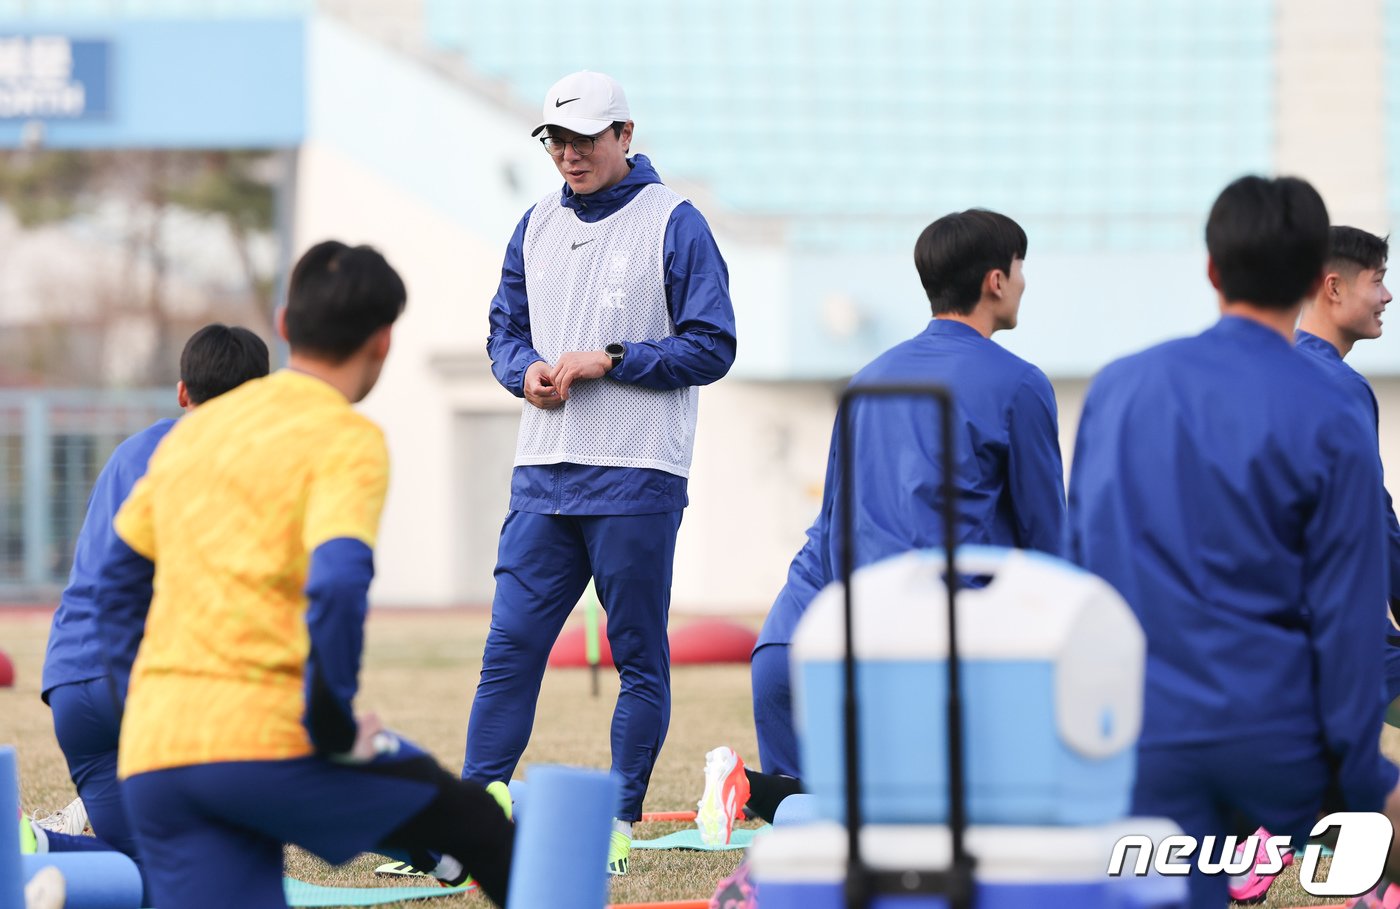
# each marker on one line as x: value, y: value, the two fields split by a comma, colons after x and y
x: 300, y: 893
x: 741, y: 838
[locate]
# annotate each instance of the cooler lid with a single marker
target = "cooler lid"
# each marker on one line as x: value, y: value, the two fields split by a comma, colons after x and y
x: 1032, y: 604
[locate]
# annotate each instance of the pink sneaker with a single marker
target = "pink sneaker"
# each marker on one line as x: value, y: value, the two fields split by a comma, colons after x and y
x: 735, y: 891
x: 1251, y: 887
x: 1385, y: 896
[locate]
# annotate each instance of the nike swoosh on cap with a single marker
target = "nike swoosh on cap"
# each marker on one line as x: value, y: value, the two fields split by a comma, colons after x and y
x: 558, y: 103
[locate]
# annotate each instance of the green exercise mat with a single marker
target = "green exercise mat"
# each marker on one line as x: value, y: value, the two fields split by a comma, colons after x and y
x: 300, y: 893
x: 741, y: 838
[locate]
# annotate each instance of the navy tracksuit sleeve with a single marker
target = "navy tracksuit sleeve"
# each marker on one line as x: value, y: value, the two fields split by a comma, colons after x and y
x: 1393, y: 554
x: 697, y: 293
x: 1035, y: 471
x: 1344, y: 569
x: 1392, y: 526
x: 123, y: 596
x: 1079, y: 521
x: 337, y: 591
x: 811, y: 569
x: 509, y: 344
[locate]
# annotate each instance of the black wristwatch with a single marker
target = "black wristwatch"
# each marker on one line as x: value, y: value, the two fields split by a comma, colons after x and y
x: 615, y: 352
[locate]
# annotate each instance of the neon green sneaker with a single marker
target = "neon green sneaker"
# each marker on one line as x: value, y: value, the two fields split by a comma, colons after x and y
x: 501, y: 793
x: 466, y: 883
x: 619, y: 850
x: 28, y: 842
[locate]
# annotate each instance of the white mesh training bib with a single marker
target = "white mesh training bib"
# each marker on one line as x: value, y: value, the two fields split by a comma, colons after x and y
x: 589, y: 285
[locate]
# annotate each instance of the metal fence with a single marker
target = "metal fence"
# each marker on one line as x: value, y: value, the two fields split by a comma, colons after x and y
x: 52, y: 446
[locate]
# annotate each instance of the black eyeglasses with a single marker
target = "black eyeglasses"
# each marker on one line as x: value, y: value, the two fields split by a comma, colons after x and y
x: 583, y: 145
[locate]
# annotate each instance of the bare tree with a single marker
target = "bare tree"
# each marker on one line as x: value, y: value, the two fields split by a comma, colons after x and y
x: 127, y: 284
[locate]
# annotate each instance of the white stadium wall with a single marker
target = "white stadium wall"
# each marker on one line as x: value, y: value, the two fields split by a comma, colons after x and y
x: 438, y: 260
x: 427, y: 182
x: 1315, y: 43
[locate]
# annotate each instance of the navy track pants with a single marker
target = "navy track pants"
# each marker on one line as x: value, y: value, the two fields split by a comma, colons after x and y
x: 543, y: 566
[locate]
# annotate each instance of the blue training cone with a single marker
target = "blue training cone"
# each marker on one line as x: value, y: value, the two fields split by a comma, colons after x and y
x: 561, y: 844
x: 797, y: 809
x: 11, y: 880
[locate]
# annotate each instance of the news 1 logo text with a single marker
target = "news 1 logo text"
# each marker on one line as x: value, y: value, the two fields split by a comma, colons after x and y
x: 1358, y: 859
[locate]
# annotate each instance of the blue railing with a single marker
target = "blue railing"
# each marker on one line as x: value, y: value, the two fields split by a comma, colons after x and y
x: 52, y: 446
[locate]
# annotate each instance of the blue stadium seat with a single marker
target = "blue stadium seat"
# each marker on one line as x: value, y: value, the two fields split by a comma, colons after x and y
x: 1109, y: 119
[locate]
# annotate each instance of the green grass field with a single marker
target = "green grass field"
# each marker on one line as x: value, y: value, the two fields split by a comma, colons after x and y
x: 419, y: 673
x: 420, y: 670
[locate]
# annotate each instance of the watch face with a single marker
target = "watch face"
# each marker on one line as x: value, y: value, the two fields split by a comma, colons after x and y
x: 614, y: 350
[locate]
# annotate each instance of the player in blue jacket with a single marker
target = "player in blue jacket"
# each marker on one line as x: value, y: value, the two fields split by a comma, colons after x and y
x: 1010, y: 478
x: 613, y: 307
x: 90, y: 654
x: 1347, y: 309
x: 1219, y: 486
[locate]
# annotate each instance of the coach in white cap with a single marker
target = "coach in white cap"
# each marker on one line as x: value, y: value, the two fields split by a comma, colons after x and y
x: 613, y: 307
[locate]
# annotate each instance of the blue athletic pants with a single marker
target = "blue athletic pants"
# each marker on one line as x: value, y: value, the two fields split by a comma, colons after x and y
x: 213, y: 834
x: 1235, y: 787
x: 543, y: 566
x: 86, y: 721
x: 772, y: 710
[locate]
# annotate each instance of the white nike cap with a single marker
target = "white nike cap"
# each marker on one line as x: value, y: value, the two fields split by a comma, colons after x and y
x: 584, y: 102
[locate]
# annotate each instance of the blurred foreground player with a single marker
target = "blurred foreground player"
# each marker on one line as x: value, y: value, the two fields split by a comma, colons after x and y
x: 260, y: 513
x: 1219, y: 486
x: 90, y: 651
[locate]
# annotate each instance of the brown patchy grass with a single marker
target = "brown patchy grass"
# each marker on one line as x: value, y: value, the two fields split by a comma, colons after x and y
x: 420, y: 670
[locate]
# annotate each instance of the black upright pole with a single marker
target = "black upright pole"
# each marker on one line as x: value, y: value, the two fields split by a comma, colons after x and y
x: 861, y: 883
x: 857, y: 884
x: 957, y: 789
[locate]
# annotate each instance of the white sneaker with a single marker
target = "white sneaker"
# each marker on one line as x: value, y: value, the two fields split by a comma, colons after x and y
x: 726, y: 792
x: 400, y: 869
x: 46, y: 890
x: 72, y: 820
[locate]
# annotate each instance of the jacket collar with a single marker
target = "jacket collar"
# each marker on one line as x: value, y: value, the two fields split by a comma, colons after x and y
x: 596, y: 206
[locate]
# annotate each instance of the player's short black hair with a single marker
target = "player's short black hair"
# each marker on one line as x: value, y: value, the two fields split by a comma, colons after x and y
x: 1268, y: 239
x: 954, y: 254
x: 338, y: 296
x: 219, y: 358
x: 1356, y: 250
